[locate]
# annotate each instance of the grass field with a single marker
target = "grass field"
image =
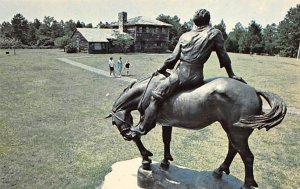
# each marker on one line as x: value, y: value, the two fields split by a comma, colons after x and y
x: 53, y: 135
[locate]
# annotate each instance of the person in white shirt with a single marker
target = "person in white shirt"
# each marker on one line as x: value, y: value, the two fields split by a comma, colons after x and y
x: 111, y: 65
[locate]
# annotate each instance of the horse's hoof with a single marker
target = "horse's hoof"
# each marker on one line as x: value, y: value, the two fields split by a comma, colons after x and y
x: 217, y: 174
x: 169, y: 157
x: 165, y: 165
x: 227, y: 171
x: 149, y: 153
x: 245, y: 187
x: 250, y: 185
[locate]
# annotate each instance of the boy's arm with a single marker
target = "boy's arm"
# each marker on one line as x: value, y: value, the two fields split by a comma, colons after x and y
x: 232, y: 75
x: 224, y: 58
x: 172, y: 60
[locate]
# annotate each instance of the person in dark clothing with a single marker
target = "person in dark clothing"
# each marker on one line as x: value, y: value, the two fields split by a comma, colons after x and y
x: 127, y: 66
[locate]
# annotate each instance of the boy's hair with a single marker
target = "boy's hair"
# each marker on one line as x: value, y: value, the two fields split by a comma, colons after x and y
x: 201, y: 17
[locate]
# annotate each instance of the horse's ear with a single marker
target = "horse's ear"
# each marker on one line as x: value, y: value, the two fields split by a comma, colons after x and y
x: 109, y: 115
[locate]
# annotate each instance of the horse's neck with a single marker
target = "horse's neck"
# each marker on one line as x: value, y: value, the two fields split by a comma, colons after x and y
x: 129, y: 99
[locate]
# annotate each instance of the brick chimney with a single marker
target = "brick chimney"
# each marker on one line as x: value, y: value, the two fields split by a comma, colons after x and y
x: 122, y: 20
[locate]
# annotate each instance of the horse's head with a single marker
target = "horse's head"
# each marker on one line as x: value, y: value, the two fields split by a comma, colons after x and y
x: 123, y: 120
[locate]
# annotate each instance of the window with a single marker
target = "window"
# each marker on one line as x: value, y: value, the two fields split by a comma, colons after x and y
x: 97, y: 46
x: 158, y: 43
x: 144, y: 29
x: 160, y: 29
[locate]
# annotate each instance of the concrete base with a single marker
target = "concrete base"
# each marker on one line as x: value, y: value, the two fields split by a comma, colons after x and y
x: 129, y: 175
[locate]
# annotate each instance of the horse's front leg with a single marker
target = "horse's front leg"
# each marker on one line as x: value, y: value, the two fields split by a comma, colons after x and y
x: 166, y: 135
x: 144, y: 153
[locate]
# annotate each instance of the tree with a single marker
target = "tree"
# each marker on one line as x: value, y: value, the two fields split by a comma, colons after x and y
x: 9, y: 43
x: 251, y: 39
x: 79, y: 24
x: 62, y: 42
x: 57, y: 29
x: 232, y: 42
x: 6, y: 30
x: 289, y: 33
x: 270, y: 38
x: 245, y: 43
x: 222, y: 28
x: 89, y: 25
x: 69, y: 27
x: 187, y: 26
x: 175, y: 31
x: 45, y: 28
x: 32, y: 34
x: 19, y: 28
x: 255, y: 36
x: 103, y: 25
x: 37, y: 23
x: 122, y: 40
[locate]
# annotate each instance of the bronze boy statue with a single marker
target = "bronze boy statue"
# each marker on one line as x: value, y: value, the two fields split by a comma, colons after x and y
x: 192, y: 50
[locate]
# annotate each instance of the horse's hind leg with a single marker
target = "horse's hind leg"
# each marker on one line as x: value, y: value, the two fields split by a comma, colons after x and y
x: 227, y: 162
x: 144, y: 153
x: 166, y: 135
x: 239, y: 138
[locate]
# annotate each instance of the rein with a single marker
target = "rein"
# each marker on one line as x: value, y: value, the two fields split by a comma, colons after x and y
x: 121, y: 119
x: 141, y: 101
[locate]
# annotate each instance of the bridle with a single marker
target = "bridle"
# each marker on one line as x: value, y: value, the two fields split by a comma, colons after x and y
x: 125, y: 130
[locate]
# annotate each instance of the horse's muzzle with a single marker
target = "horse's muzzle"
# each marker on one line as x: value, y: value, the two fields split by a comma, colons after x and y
x: 127, y: 134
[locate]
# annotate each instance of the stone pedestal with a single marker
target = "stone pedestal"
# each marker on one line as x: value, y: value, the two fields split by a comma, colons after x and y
x: 182, y: 178
x: 130, y: 175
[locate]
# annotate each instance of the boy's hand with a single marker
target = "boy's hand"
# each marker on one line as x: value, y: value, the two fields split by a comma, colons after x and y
x: 238, y: 78
x: 162, y: 70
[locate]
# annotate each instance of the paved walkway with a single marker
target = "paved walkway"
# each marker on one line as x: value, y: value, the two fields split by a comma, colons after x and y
x: 290, y: 110
x: 94, y: 70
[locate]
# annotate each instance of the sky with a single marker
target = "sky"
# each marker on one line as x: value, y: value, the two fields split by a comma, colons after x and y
x: 93, y: 11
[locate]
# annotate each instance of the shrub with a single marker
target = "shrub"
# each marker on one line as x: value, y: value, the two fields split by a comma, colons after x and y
x: 45, y: 42
x: 8, y: 43
x: 71, y: 48
x: 61, y: 42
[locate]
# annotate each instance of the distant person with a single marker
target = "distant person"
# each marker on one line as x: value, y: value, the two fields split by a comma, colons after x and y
x: 120, y: 66
x: 111, y: 65
x: 127, y: 65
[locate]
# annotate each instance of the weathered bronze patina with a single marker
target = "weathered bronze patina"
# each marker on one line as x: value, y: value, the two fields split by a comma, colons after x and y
x: 192, y: 51
x: 183, y: 99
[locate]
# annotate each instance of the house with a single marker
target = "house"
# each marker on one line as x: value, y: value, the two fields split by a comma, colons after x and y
x: 149, y: 35
x: 95, y: 40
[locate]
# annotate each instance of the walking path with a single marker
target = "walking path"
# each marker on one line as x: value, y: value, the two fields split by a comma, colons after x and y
x: 94, y: 70
x: 290, y: 110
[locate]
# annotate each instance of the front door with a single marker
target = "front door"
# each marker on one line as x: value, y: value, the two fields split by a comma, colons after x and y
x: 143, y: 44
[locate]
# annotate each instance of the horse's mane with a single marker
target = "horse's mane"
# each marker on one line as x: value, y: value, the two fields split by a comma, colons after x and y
x: 116, y: 103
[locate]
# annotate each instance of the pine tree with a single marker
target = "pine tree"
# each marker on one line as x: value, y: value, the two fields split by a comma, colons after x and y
x: 289, y: 33
x: 19, y: 28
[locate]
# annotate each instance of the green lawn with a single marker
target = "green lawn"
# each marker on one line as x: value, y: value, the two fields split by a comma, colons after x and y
x: 53, y: 135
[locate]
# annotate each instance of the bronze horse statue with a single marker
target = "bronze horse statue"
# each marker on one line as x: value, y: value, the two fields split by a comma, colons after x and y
x: 235, y: 105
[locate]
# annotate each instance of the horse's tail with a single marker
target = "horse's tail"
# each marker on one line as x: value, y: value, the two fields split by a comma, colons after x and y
x: 267, y: 120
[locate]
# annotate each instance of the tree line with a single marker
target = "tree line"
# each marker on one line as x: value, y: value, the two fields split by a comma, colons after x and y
x: 282, y: 39
x: 19, y: 33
